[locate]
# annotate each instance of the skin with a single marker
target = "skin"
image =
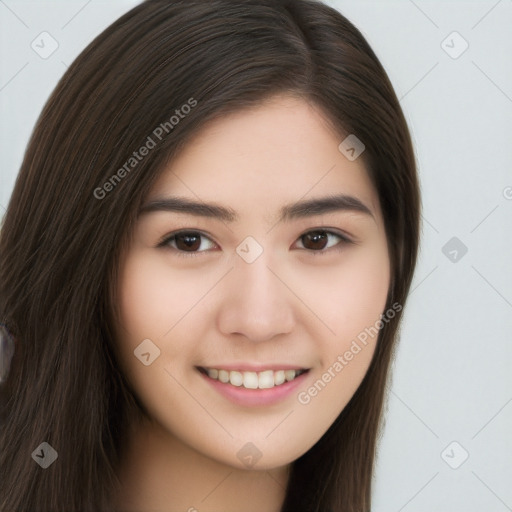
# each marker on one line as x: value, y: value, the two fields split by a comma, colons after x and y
x: 290, y: 305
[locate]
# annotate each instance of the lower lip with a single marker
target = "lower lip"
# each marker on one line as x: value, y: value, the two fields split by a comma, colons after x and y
x: 255, y: 397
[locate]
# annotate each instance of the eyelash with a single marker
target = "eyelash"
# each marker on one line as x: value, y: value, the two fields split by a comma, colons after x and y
x: 187, y: 254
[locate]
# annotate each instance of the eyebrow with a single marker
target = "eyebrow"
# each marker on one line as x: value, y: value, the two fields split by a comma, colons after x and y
x: 298, y: 210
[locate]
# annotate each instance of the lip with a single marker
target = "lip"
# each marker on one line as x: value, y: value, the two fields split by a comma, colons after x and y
x: 256, y: 397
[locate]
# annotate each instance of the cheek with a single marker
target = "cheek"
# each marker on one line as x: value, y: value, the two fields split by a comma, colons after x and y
x: 154, y: 298
x: 151, y: 303
x: 349, y: 299
x: 166, y: 306
x: 360, y: 293
x: 157, y: 303
x: 346, y: 297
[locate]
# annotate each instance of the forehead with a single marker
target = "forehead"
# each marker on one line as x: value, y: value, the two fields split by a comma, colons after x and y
x: 256, y: 160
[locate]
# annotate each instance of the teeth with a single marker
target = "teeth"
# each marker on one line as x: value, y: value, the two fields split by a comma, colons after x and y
x: 250, y: 380
x: 289, y: 374
x: 236, y: 378
x: 213, y: 373
x: 266, y: 379
x: 253, y: 380
x: 279, y: 377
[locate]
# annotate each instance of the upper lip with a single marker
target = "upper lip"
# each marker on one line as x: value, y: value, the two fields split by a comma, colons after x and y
x: 251, y: 367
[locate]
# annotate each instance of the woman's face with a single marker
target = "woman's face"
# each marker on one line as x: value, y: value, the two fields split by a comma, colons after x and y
x: 241, y: 270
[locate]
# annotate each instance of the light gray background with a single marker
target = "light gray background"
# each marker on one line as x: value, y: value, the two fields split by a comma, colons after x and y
x: 452, y: 376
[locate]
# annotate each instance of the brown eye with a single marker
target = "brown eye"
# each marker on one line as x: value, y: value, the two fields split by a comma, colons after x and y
x: 187, y: 242
x: 317, y: 241
x: 190, y: 242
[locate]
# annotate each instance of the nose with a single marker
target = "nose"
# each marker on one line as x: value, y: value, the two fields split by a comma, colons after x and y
x: 256, y: 303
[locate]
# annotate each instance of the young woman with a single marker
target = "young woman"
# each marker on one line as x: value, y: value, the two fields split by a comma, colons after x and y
x: 204, y: 263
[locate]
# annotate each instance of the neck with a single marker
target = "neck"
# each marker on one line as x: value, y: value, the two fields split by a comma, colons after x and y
x: 162, y: 474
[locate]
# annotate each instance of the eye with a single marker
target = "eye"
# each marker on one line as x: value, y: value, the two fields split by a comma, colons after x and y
x: 319, y: 240
x: 192, y: 243
x: 188, y: 243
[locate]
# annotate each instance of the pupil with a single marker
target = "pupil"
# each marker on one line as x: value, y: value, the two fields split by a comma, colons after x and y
x: 190, y: 242
x: 318, y: 239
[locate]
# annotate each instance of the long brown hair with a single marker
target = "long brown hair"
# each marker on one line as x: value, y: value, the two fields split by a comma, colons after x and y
x: 61, y: 241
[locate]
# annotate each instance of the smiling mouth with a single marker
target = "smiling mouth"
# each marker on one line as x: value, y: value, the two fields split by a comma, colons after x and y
x: 253, y: 380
